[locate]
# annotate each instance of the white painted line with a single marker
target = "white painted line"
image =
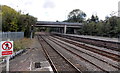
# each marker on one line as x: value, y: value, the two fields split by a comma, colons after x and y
x: 50, y: 69
x: 44, y: 61
x: 30, y: 65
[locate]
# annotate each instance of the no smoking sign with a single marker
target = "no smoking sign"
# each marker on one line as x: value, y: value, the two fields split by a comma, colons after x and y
x: 6, y: 48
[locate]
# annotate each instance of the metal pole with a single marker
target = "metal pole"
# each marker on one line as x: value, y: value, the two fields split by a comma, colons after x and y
x: 7, y: 64
x: 7, y: 59
x: 31, y: 34
x: 31, y: 30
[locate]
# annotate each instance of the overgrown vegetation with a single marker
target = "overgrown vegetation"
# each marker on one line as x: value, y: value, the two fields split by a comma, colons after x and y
x: 23, y: 44
x: 15, y: 21
x: 110, y: 27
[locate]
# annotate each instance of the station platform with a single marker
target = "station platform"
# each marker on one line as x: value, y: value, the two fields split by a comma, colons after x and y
x: 96, y: 37
x: 33, y: 60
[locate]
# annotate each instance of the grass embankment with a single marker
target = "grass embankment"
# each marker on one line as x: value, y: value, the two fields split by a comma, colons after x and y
x: 22, y: 44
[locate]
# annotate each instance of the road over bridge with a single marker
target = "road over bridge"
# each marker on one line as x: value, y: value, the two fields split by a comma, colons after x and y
x: 58, y: 24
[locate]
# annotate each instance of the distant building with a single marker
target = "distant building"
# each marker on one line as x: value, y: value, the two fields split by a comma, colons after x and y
x: 119, y: 9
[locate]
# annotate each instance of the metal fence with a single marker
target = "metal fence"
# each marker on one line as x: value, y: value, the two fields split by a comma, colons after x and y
x: 11, y: 35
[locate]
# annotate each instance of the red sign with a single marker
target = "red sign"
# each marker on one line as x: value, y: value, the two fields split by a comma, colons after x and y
x: 7, y: 48
x: 6, y: 52
x: 7, y: 45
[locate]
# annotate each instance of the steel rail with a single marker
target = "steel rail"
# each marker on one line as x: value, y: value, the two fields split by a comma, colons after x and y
x: 48, y: 57
x: 82, y: 52
x: 78, y: 71
x: 81, y: 57
x: 112, y: 56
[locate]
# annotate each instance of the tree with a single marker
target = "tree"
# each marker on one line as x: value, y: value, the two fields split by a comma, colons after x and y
x: 118, y: 28
x: 15, y: 21
x: 9, y: 19
x: 25, y: 23
x: 112, y: 25
x: 76, y: 16
x: 94, y: 18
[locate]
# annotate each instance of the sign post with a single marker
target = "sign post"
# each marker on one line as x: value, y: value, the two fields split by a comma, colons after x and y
x: 7, y: 64
x: 7, y: 50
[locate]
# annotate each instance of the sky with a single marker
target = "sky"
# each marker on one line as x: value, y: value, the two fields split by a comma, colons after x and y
x: 53, y: 10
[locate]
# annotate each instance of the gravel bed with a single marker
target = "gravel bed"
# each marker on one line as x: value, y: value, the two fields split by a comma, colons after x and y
x: 108, y: 68
x: 93, y: 47
x: 80, y: 63
x: 58, y: 61
x: 101, y: 48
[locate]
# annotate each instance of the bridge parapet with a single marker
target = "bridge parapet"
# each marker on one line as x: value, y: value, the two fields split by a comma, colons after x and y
x: 58, y: 24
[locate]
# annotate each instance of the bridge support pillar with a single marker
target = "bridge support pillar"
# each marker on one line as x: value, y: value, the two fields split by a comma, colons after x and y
x: 65, y: 29
x: 75, y: 31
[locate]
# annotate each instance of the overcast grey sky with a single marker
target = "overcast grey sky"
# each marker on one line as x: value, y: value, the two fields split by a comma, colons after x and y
x: 52, y: 10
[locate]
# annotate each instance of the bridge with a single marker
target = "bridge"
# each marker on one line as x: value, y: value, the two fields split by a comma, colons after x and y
x: 58, y: 24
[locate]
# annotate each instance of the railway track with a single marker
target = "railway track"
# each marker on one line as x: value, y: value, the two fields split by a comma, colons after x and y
x: 58, y: 62
x: 73, y: 49
x: 112, y: 56
x: 103, y: 44
x: 115, y: 46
